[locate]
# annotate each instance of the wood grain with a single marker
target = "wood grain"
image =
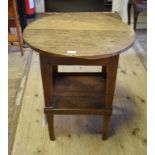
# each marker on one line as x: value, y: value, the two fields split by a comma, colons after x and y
x: 91, y: 35
x: 18, y: 69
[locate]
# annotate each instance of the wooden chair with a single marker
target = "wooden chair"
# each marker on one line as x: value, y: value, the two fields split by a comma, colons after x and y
x: 13, y: 21
x: 138, y: 7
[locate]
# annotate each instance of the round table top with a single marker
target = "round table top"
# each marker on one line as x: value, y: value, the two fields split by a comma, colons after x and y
x: 82, y: 35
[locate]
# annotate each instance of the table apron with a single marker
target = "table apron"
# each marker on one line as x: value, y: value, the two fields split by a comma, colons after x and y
x: 79, y: 61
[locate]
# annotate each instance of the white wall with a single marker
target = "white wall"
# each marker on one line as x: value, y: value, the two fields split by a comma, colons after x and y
x: 121, y: 7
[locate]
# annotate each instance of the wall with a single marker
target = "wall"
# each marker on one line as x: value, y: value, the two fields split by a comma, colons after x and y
x: 120, y: 6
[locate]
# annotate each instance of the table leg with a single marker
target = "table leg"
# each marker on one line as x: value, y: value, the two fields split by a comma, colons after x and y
x: 106, y: 123
x: 47, y: 80
x: 50, y: 121
x: 111, y: 73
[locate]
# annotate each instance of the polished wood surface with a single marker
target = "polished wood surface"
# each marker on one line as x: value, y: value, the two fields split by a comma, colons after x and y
x: 90, y: 35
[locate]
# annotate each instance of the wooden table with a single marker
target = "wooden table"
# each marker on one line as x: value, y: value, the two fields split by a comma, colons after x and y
x: 79, y: 39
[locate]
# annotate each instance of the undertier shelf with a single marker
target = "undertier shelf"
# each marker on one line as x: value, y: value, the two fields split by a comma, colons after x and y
x: 78, y: 93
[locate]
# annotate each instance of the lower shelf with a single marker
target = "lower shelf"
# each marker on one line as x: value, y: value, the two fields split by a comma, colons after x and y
x: 78, y: 94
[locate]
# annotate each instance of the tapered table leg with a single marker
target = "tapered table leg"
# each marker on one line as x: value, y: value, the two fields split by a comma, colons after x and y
x: 111, y: 73
x: 106, y: 122
x: 47, y: 80
x: 50, y: 120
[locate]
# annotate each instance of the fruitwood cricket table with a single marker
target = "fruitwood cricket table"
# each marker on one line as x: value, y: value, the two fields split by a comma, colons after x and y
x: 94, y: 39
